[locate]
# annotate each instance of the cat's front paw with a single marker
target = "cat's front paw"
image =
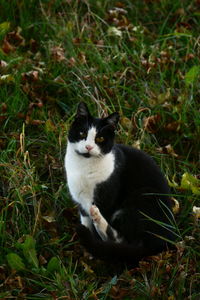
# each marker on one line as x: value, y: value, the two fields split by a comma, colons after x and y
x: 95, y: 214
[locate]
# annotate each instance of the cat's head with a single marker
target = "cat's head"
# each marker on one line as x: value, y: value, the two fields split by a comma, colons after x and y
x: 92, y: 137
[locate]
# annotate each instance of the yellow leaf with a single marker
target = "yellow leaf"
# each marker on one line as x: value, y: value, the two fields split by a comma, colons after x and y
x: 6, y: 78
x: 190, y: 182
x: 87, y: 268
x: 126, y: 122
x: 50, y: 127
x: 49, y: 219
x: 4, y: 27
x: 176, y: 206
x: 164, y: 96
x: 172, y: 183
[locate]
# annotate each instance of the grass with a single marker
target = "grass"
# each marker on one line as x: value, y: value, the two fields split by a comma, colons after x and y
x: 141, y: 59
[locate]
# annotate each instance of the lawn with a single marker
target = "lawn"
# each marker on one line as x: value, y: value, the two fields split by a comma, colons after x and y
x: 140, y: 58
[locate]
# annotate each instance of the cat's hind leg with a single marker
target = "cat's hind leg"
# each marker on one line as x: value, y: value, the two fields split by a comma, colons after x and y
x: 105, y: 231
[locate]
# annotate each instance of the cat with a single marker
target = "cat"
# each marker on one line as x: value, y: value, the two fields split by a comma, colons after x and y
x: 122, y: 195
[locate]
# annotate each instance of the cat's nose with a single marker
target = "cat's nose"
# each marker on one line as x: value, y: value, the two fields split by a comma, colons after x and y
x: 88, y: 147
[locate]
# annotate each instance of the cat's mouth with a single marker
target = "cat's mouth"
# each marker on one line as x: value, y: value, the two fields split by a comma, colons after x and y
x: 86, y: 154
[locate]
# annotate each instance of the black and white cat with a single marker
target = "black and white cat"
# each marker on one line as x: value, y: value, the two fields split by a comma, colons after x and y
x: 122, y: 196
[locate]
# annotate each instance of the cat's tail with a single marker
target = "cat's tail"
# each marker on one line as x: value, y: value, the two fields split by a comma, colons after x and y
x: 112, y: 251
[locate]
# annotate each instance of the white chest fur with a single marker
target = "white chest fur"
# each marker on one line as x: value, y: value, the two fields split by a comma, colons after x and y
x: 83, y: 174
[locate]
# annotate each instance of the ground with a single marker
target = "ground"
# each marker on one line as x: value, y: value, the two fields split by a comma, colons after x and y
x: 140, y: 58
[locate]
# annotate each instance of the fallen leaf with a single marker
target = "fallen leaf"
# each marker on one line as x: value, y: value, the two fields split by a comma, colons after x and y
x: 7, y: 47
x: 15, y: 38
x: 173, y: 126
x: 6, y: 78
x: 49, y: 126
x: 33, y: 45
x: 196, y: 212
x: 3, y: 64
x: 126, y: 122
x: 4, y: 107
x: 42, y: 260
x: 189, y: 56
x: 100, y: 43
x: 49, y: 219
x: 58, y: 53
x: 171, y: 297
x: 167, y: 150
x: 176, y: 206
x: 72, y: 62
x: 113, y: 31
x: 4, y: 27
x: 87, y: 268
x: 151, y: 123
x: 164, y: 96
x: 59, y: 79
x: 190, y: 182
x: 82, y: 57
x: 76, y: 41
x: 137, y: 144
x: 31, y: 75
x: 34, y: 122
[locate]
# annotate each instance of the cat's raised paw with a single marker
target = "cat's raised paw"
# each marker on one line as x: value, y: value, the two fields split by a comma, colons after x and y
x: 95, y: 214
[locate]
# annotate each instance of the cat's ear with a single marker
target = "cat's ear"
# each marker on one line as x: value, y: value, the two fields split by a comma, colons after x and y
x: 82, y: 110
x: 113, y: 119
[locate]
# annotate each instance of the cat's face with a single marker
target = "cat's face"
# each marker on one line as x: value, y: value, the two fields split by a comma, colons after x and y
x: 92, y: 137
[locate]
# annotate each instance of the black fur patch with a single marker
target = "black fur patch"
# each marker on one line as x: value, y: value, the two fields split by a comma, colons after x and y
x: 82, y: 211
x: 110, y: 233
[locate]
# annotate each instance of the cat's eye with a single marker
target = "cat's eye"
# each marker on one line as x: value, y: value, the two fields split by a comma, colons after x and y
x: 99, y: 139
x: 83, y: 134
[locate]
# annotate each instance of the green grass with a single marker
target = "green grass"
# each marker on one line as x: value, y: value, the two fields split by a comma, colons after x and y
x: 54, y: 54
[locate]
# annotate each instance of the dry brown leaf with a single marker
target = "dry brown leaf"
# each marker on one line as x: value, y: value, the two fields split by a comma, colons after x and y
x: 31, y: 75
x: 173, y: 126
x: 72, y: 62
x: 3, y: 64
x: 15, y: 37
x: 7, y: 47
x: 58, y: 53
x: 33, y: 45
x: 82, y: 57
x: 13, y: 40
x: 42, y: 260
x: 4, y: 107
x: 151, y: 124
x: 100, y: 43
x: 76, y: 41
x: 59, y: 79
x: 36, y: 122
x: 167, y: 150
